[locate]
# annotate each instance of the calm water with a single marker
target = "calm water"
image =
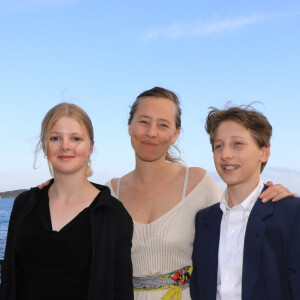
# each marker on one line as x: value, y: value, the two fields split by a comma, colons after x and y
x: 5, y: 209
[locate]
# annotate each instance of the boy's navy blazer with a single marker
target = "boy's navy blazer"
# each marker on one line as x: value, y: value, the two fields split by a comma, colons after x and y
x: 271, y: 263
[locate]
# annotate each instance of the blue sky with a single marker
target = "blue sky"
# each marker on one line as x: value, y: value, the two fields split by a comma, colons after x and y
x: 102, y: 55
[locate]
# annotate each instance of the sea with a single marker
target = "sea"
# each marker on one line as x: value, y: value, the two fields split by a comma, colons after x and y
x: 5, y: 210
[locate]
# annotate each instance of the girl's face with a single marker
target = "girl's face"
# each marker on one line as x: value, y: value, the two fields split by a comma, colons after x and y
x: 68, y: 147
x: 153, y: 128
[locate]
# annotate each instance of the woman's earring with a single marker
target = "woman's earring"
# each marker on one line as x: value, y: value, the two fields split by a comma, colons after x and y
x: 45, y: 156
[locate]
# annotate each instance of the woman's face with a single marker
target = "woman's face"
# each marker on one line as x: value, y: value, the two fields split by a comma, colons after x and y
x: 153, y: 128
x: 68, y: 146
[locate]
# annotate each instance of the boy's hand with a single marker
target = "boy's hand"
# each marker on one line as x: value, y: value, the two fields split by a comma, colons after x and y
x: 41, y: 186
x: 275, y: 192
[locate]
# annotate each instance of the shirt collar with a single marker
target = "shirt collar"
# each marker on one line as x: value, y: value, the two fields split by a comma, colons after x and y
x: 246, y: 205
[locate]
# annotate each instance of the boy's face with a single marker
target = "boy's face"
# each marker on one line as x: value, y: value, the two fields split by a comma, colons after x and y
x: 237, y: 157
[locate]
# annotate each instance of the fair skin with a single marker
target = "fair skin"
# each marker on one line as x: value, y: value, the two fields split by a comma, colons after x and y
x: 154, y: 187
x: 238, y: 160
x: 68, y: 150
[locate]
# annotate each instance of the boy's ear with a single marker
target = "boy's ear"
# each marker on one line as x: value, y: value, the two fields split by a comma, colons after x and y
x: 265, y: 154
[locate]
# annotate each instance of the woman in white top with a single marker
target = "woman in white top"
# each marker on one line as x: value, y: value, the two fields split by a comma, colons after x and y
x: 163, y: 196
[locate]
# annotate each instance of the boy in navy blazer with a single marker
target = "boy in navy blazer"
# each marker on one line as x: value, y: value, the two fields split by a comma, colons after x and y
x: 245, y: 249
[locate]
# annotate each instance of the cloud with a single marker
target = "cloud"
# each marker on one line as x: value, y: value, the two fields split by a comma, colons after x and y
x: 199, y: 28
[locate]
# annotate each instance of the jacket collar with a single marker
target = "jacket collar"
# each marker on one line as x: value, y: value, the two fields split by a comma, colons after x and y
x: 214, y: 216
x: 104, y: 195
x: 253, y: 242
x: 210, y: 249
x: 252, y: 246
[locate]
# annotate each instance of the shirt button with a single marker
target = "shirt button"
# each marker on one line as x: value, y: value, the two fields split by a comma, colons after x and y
x: 228, y: 254
x: 233, y: 230
x: 227, y: 278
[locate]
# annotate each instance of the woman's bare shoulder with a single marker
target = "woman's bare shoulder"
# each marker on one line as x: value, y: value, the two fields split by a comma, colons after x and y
x: 113, y: 183
x: 196, y: 174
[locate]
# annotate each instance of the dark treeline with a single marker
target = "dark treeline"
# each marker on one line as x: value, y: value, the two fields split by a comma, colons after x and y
x: 11, y: 194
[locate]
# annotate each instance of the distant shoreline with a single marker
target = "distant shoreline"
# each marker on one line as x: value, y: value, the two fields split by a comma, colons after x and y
x: 11, y: 194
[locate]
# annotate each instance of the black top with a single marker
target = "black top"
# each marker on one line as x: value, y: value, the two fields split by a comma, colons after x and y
x: 51, y: 264
x: 112, y: 228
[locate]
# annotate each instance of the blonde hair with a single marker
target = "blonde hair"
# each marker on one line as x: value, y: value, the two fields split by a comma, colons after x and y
x: 51, y: 118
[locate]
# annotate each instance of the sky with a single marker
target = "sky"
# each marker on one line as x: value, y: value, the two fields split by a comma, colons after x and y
x: 101, y: 54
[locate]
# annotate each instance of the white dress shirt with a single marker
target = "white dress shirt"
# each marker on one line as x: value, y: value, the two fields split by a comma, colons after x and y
x: 231, y: 245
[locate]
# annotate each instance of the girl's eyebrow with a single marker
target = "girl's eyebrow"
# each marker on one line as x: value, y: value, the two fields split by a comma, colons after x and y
x: 72, y: 133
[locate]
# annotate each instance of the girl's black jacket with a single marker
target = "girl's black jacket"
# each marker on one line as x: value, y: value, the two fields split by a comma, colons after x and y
x: 112, y: 229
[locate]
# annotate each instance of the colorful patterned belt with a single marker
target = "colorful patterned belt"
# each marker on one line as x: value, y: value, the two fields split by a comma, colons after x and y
x: 174, y: 282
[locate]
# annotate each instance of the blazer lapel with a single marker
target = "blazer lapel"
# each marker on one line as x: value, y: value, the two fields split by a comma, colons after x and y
x: 252, y: 246
x: 210, y: 248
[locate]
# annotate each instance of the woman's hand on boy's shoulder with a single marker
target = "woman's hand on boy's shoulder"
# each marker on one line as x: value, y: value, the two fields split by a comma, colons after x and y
x: 41, y: 186
x: 276, y: 192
